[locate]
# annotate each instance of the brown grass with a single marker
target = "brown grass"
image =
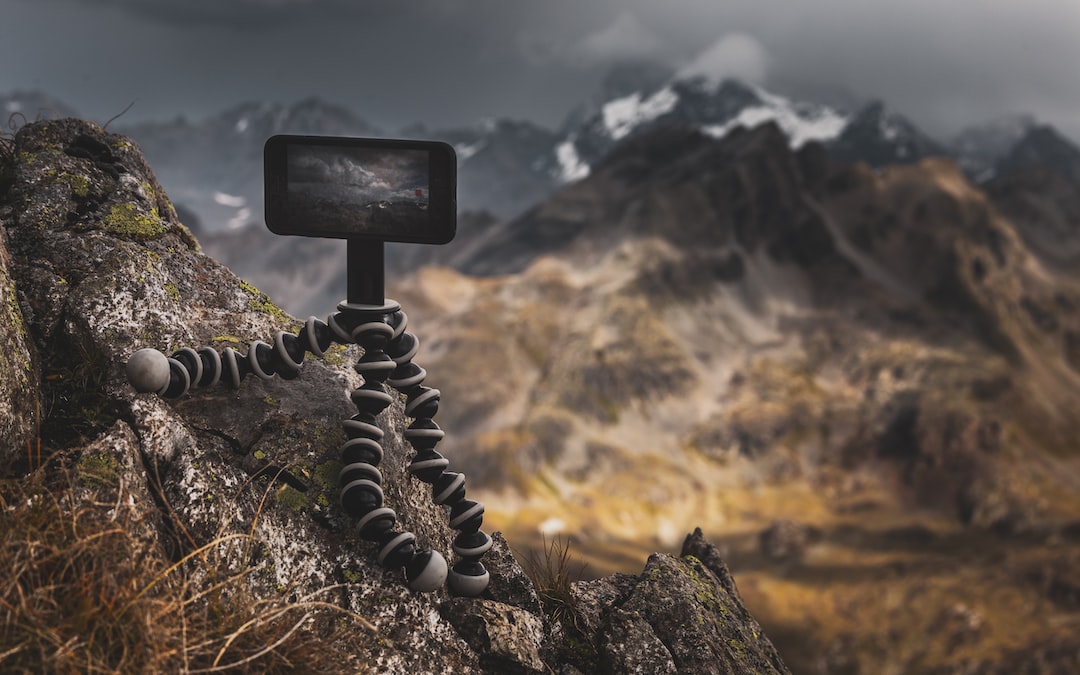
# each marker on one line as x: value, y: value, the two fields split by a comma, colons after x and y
x: 550, y: 570
x: 88, y: 589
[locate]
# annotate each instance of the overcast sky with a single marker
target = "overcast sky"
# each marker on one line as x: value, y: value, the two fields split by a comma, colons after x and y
x: 943, y: 63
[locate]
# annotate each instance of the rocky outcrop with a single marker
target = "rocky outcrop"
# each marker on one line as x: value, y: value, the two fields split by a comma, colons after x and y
x: 239, y: 488
x: 648, y: 630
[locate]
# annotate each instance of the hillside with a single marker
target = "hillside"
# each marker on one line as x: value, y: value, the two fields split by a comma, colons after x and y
x: 863, y: 381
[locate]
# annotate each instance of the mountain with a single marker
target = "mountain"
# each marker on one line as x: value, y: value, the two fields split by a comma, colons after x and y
x: 980, y: 147
x: 865, y: 377
x: 1042, y: 146
x: 502, y: 164
x: 715, y: 108
x: 214, y: 167
x: 880, y: 137
x: 1037, y: 185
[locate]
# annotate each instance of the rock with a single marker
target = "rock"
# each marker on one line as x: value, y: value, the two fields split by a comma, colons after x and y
x: 237, y: 489
x: 19, y: 374
x: 508, y: 638
x: 631, y: 646
x: 680, y: 615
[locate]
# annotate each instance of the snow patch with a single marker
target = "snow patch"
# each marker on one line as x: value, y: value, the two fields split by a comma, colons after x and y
x: 801, y: 124
x: 467, y: 150
x: 622, y: 115
x: 625, y: 38
x: 242, y: 125
x: 242, y: 218
x: 225, y: 199
x: 888, y: 128
x: 571, y: 167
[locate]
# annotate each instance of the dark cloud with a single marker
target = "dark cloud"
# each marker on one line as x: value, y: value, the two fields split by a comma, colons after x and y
x: 246, y: 14
x: 455, y: 61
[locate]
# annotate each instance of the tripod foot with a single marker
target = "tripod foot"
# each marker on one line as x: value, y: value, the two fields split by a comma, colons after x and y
x: 468, y: 578
x: 148, y: 371
x: 426, y: 572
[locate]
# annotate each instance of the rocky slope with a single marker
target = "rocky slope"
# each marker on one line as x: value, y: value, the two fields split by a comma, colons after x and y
x: 215, y: 516
x: 864, y: 382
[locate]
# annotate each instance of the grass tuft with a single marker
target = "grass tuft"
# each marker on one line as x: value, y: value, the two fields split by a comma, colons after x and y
x: 551, y: 573
x: 87, y: 589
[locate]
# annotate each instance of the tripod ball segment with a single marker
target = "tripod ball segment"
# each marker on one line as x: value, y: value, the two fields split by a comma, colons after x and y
x: 148, y: 370
x: 426, y: 571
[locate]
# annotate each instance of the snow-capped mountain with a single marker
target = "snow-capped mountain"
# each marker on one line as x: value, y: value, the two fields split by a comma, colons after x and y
x: 212, y: 168
x: 715, y: 108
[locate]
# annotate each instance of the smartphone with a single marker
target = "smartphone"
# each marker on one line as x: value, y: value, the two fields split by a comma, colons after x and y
x: 362, y: 188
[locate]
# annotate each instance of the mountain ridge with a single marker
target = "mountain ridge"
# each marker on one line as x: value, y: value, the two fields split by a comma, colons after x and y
x: 507, y: 166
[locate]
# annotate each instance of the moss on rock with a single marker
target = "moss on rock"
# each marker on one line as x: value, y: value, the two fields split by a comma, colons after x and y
x: 124, y: 219
x: 261, y: 302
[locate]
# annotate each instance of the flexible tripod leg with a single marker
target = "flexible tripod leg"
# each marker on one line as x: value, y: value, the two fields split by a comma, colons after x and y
x: 387, y: 358
x: 468, y: 576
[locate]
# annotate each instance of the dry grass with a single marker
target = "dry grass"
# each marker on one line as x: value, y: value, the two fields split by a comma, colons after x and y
x: 88, y: 589
x: 551, y: 571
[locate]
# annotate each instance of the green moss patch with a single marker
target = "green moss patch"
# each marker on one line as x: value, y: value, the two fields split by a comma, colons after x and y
x: 292, y: 498
x: 261, y: 302
x: 125, y: 220
x: 80, y: 185
x: 99, y: 468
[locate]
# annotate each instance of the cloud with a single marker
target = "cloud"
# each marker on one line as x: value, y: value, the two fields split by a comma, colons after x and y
x: 623, y: 39
x: 245, y: 14
x: 455, y: 61
x: 734, y: 55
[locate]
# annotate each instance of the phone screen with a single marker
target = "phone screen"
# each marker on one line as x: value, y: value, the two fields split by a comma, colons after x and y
x: 365, y: 188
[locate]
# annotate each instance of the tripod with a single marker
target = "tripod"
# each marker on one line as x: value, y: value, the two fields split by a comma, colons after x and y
x: 378, y: 326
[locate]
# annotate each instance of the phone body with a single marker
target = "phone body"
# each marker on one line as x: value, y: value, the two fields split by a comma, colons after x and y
x: 361, y: 188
